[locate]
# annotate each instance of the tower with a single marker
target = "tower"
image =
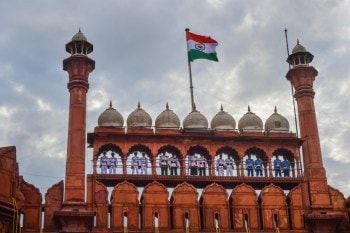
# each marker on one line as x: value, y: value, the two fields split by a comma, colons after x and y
x: 302, y: 76
x: 74, y: 215
x: 78, y: 66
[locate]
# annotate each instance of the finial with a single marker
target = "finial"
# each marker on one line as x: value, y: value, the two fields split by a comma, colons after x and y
x: 194, y: 107
x: 138, y: 104
x: 187, y: 29
x: 167, y: 106
x: 221, y: 108
x: 110, y: 103
x: 79, y: 30
x: 275, y: 109
x: 298, y: 41
x: 248, y: 108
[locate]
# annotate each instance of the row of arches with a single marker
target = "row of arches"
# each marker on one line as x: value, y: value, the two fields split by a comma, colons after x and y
x: 232, y: 210
x: 239, y: 165
x: 214, y: 208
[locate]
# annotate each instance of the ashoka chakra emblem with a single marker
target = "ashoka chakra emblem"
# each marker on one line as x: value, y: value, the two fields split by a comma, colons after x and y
x: 200, y: 47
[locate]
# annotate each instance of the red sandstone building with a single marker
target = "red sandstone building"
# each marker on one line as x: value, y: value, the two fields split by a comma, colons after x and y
x: 155, y: 202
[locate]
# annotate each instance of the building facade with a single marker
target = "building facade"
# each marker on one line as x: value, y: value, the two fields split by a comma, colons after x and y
x: 167, y: 178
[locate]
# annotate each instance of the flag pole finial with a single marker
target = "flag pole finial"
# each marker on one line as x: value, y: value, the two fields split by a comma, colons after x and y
x: 187, y: 29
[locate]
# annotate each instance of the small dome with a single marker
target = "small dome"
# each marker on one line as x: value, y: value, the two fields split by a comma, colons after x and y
x: 277, y: 122
x: 298, y: 48
x: 250, y: 121
x: 195, y: 120
x: 79, y: 36
x: 223, y: 120
x: 111, y: 118
x: 139, y: 118
x: 167, y: 119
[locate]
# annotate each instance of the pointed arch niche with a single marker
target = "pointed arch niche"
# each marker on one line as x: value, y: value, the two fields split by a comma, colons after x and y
x: 274, y: 208
x: 215, y: 207
x: 185, y: 207
x: 125, y: 203
x: 245, y: 209
x: 155, y: 205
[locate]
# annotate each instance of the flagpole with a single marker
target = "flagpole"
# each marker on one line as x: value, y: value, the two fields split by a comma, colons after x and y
x: 190, y: 73
x: 291, y: 85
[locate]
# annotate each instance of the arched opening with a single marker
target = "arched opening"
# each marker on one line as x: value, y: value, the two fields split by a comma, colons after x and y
x: 217, y: 222
x: 186, y: 222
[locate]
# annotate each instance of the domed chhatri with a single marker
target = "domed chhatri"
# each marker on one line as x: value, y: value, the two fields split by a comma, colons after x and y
x: 110, y: 118
x: 250, y: 122
x: 139, y: 118
x: 167, y: 119
x: 223, y: 121
x: 300, y: 56
x: 79, y: 45
x: 277, y: 122
x: 195, y: 120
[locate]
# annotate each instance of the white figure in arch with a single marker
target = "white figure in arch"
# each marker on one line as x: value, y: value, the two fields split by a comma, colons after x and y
x: 135, y: 164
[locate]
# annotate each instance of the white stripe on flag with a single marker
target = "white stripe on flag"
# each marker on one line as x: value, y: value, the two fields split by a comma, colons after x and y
x: 204, y: 47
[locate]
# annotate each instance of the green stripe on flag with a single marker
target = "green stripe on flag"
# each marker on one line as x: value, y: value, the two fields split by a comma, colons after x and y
x: 196, y: 54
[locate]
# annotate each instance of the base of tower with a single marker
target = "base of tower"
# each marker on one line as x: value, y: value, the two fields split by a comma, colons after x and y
x: 324, y: 222
x: 75, y: 218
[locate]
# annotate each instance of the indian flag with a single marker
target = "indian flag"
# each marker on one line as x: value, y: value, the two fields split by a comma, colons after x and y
x: 199, y: 46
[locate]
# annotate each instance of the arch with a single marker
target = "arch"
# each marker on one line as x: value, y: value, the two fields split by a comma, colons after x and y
x: 257, y: 152
x: 53, y: 202
x: 273, y: 207
x: 286, y: 155
x: 227, y: 152
x: 184, y: 200
x: 101, y: 204
x: 198, y: 149
x: 339, y: 204
x: 124, y: 199
x: 155, y: 199
x: 337, y: 199
x: 245, y: 207
x: 285, y: 152
x: 197, y: 152
x: 140, y: 149
x: 109, y: 147
x: 254, y: 153
x: 214, y: 200
x: 170, y: 149
x: 295, y: 199
x: 32, y: 207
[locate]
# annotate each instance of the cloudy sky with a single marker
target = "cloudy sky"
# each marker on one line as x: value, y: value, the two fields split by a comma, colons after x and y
x: 140, y: 54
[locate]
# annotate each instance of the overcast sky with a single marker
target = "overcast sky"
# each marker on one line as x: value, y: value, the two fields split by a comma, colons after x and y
x: 140, y: 54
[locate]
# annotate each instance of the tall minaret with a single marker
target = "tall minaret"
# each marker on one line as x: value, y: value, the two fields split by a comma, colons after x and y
x: 321, y: 217
x: 78, y: 66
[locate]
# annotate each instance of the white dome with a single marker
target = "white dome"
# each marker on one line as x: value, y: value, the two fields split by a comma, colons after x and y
x: 250, y: 121
x: 277, y: 122
x: 222, y: 120
x: 79, y: 36
x: 167, y: 119
x: 195, y: 120
x: 139, y: 118
x: 111, y: 118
